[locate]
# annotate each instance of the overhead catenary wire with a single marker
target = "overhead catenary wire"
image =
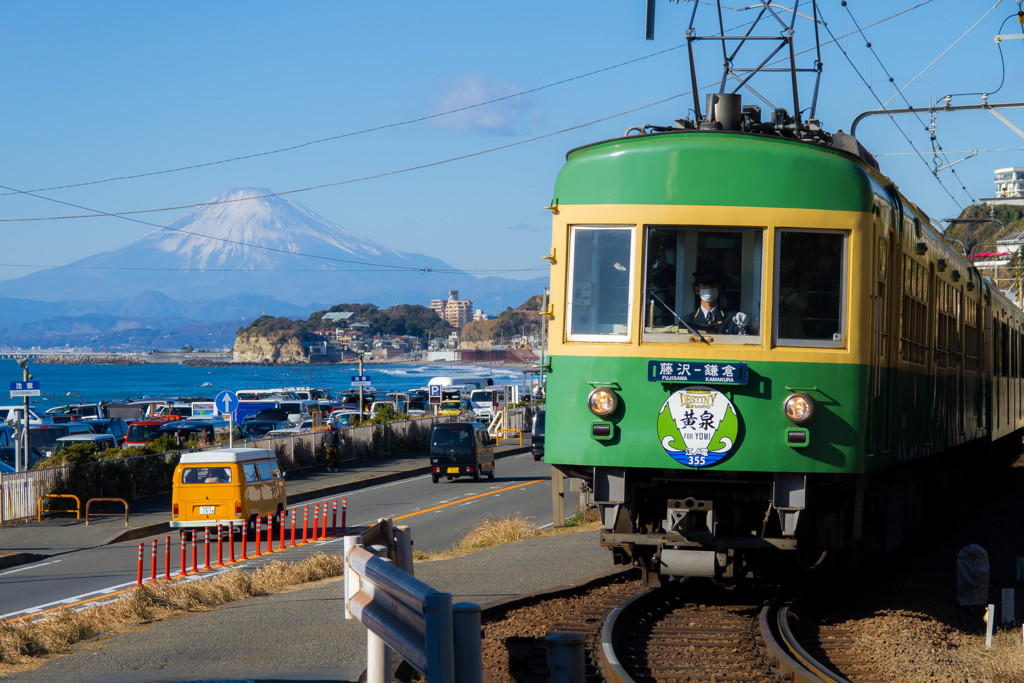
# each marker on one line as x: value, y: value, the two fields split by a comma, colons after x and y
x: 879, y: 100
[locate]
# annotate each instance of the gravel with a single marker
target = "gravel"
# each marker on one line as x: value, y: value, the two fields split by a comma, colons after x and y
x: 902, y: 606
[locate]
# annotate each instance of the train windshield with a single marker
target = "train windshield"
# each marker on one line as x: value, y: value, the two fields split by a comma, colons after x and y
x: 600, y: 273
x: 703, y: 279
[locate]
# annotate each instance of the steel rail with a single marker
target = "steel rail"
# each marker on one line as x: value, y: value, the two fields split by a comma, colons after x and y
x: 613, y: 669
x: 783, y: 645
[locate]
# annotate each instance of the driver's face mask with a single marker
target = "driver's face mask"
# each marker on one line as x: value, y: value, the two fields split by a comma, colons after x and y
x: 708, y: 294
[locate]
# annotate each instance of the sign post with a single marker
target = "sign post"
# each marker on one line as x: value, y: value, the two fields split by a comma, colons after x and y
x: 227, y: 404
x: 360, y: 381
x: 25, y: 388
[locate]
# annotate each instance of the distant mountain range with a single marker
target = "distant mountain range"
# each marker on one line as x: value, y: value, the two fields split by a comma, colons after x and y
x: 231, y: 259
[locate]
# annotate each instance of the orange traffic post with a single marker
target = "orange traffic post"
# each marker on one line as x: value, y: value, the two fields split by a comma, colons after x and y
x: 152, y: 578
x: 305, y: 524
x: 167, y: 558
x: 195, y: 562
x: 270, y: 533
x: 259, y: 538
x: 220, y: 545
x: 316, y: 518
x: 245, y: 538
x: 334, y: 517
x: 280, y: 530
x: 139, y: 581
x: 184, y: 561
x: 323, y: 527
x: 344, y: 513
x: 206, y: 547
x: 231, y: 543
x: 292, y: 544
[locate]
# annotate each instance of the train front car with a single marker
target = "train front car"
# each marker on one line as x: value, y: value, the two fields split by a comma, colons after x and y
x: 711, y: 366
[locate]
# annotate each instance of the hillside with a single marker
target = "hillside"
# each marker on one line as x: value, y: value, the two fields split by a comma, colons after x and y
x: 981, y: 236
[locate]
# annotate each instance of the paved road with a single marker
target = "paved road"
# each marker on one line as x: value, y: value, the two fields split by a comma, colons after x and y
x: 439, y: 515
x: 302, y: 635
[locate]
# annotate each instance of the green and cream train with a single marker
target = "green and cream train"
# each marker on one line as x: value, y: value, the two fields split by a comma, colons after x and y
x: 873, y: 371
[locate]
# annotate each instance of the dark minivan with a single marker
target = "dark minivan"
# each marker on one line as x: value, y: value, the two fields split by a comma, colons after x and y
x: 537, y: 436
x: 460, y: 449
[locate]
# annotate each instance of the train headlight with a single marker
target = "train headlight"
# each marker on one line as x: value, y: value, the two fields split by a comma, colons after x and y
x: 799, y: 407
x: 602, y: 401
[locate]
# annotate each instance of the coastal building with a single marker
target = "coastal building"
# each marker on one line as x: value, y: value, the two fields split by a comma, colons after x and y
x: 1010, y: 183
x: 453, y: 310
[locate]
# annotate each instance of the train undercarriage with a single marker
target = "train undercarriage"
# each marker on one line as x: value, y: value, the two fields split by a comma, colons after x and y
x: 744, y: 527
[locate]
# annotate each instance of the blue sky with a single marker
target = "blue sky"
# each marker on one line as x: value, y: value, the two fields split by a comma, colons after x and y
x: 108, y: 89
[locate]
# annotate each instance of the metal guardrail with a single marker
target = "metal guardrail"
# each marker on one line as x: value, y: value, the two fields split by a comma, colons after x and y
x: 517, y: 432
x: 440, y: 640
x: 77, y: 509
x: 89, y: 503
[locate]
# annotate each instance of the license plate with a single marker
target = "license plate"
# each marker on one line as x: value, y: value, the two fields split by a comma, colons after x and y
x: 453, y: 470
x: 207, y: 509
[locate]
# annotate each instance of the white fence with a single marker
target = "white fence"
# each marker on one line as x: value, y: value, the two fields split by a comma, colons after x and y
x: 19, y: 493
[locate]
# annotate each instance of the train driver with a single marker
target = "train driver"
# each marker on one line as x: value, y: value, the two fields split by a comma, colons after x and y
x: 708, y: 317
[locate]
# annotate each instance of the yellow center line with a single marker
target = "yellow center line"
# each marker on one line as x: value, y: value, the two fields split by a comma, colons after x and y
x: 463, y: 500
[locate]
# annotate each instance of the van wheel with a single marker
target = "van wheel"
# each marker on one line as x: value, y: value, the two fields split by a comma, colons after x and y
x: 434, y: 478
x: 476, y: 473
x: 490, y: 475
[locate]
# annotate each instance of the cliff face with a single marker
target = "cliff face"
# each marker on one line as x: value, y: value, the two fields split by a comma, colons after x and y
x: 277, y: 347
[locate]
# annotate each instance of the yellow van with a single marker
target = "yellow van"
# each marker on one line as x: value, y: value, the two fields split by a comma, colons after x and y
x: 226, y: 485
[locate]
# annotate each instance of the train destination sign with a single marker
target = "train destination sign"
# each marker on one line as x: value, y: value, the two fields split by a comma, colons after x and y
x: 693, y: 371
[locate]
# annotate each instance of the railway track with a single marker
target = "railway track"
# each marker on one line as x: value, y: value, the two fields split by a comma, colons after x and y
x: 688, y: 632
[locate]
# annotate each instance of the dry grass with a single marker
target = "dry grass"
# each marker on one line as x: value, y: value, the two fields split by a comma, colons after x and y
x: 509, y: 529
x: 1004, y: 662
x: 23, y: 641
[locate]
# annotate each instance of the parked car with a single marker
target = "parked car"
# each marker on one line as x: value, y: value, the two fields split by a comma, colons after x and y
x: 99, y: 442
x: 212, y: 431
x: 114, y: 426
x: 254, y: 429
x: 42, y: 439
x: 461, y: 449
x: 344, y: 418
x: 11, y: 413
x: 143, y: 432
x: 275, y: 414
x: 537, y: 435
x: 452, y: 407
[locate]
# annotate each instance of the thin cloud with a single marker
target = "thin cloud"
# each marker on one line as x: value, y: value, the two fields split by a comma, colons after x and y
x: 528, y: 227
x: 506, y: 117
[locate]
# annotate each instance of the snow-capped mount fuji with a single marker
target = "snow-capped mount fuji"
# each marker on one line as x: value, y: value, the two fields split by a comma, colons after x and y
x: 249, y: 230
x: 244, y: 243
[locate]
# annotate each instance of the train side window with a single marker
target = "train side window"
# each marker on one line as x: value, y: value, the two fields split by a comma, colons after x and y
x: 810, y: 286
x: 600, y: 268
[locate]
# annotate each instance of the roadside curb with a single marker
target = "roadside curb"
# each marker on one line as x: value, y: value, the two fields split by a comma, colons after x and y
x: 14, y: 559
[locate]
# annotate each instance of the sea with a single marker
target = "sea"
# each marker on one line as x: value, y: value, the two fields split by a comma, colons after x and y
x: 64, y: 384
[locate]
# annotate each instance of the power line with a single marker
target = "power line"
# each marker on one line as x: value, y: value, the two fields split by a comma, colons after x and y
x: 364, y: 131
x: 126, y: 214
